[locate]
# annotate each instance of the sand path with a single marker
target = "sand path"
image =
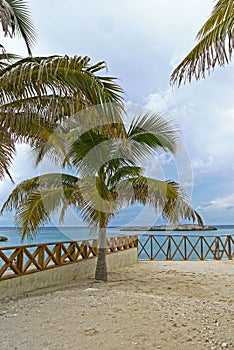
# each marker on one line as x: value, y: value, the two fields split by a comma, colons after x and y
x: 150, y: 305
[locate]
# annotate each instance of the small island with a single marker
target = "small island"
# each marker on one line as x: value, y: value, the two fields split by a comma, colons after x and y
x: 184, y: 227
x: 3, y: 239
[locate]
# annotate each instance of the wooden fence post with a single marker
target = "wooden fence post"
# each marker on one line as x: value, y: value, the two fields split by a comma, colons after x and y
x: 41, y: 256
x: 202, y: 248
x: 151, y: 247
x: 185, y: 247
x: 20, y: 261
x: 229, y: 247
x: 168, y: 256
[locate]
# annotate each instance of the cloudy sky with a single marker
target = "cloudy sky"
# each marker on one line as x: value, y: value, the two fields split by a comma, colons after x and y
x: 141, y: 43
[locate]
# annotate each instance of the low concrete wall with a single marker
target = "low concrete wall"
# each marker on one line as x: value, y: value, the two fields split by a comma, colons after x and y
x: 20, y: 286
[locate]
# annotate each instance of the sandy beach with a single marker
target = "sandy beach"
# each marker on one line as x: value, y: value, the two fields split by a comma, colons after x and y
x: 149, y: 305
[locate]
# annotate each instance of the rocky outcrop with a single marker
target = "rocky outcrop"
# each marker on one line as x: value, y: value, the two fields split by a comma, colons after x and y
x: 185, y: 227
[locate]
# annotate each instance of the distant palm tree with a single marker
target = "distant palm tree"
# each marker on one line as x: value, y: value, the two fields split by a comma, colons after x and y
x: 215, y: 45
x: 43, y: 91
x: 16, y: 19
x: 108, y: 178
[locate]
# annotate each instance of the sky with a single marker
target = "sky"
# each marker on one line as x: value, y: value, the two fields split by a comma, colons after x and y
x: 141, y: 43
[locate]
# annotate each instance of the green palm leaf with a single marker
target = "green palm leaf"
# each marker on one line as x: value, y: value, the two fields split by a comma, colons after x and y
x: 36, y: 199
x: 152, y: 132
x: 38, y: 94
x: 62, y: 76
x: 42, y: 182
x: 37, y: 208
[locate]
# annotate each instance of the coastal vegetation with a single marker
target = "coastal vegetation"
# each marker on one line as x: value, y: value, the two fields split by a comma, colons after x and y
x: 64, y: 110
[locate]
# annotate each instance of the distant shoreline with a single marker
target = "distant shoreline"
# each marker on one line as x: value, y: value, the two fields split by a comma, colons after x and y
x: 185, y: 227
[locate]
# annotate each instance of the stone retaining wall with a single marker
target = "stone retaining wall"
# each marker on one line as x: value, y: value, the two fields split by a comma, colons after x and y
x: 21, y: 286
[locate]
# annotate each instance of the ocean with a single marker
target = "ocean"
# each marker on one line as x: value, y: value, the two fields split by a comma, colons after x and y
x: 59, y: 234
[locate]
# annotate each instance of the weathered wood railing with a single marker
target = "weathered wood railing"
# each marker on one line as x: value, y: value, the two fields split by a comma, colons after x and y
x: 176, y: 247
x: 22, y: 260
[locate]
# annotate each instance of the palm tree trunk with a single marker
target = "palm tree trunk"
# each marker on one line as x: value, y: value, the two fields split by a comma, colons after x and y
x: 101, y: 268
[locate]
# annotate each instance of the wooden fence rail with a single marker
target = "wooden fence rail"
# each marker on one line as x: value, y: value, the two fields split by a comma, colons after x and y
x: 161, y: 247
x: 22, y: 260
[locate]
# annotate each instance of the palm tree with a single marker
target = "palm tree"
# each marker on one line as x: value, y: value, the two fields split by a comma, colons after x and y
x: 108, y: 176
x: 16, y: 19
x: 214, y: 47
x: 38, y: 93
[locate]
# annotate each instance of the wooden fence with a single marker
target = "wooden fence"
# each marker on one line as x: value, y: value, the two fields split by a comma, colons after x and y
x: 161, y: 247
x: 22, y: 260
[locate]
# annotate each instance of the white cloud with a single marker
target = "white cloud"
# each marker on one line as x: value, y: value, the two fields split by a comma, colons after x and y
x: 219, y: 203
x: 206, y: 116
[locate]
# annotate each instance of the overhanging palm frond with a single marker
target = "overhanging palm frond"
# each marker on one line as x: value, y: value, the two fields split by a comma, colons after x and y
x: 56, y: 87
x: 215, y: 45
x: 62, y: 76
x: 16, y: 19
x: 38, y: 94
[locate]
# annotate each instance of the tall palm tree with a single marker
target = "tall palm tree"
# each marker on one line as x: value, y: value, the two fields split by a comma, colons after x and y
x: 16, y: 19
x: 215, y: 45
x: 43, y: 91
x: 108, y: 176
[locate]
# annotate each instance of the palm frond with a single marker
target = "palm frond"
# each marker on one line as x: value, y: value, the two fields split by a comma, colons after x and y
x: 16, y: 18
x: 62, y: 76
x: 167, y: 196
x: 145, y: 190
x: 7, y: 58
x: 96, y: 200
x: 7, y: 151
x: 152, y: 132
x: 37, y: 208
x: 215, y: 45
x: 222, y: 10
x: 39, y: 94
x: 118, y: 169
x: 42, y: 182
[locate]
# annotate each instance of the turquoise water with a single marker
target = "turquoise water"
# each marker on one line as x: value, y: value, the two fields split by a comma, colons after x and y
x: 50, y: 235
x: 54, y: 234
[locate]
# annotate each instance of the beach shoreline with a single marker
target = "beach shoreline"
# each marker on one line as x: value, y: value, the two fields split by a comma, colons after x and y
x: 150, y: 305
